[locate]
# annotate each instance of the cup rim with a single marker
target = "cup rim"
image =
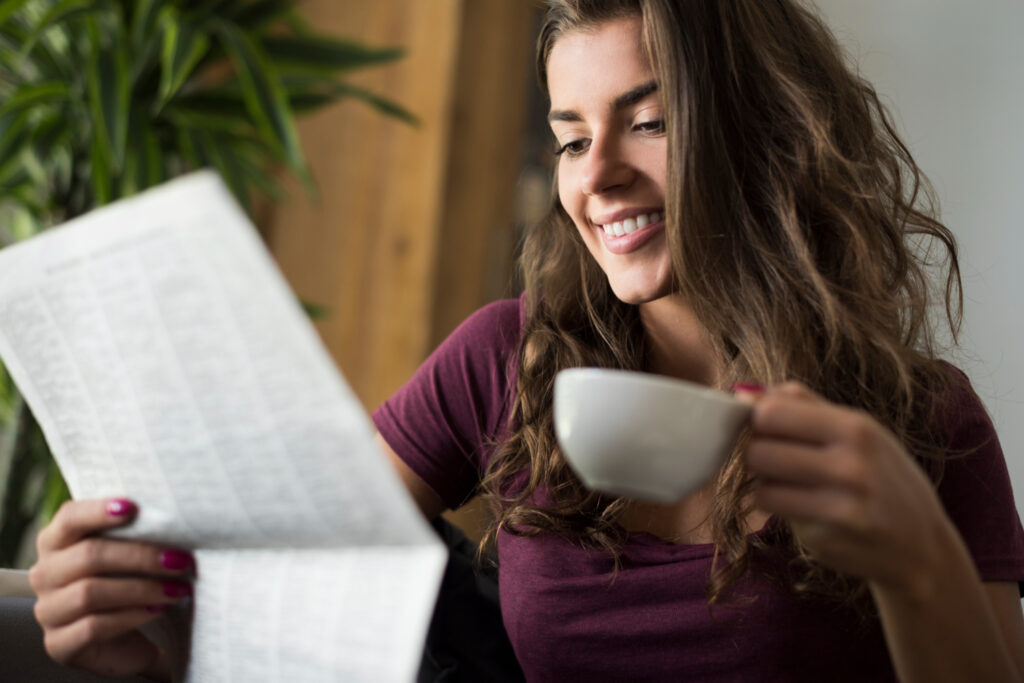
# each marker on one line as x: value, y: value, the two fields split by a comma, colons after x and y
x: 587, y: 374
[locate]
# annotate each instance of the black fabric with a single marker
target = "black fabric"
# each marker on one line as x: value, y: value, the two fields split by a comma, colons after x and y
x: 467, y: 640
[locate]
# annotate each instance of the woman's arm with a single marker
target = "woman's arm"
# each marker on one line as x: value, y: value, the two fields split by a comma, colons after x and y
x: 859, y: 503
x: 430, y: 504
x: 1004, y: 597
x: 946, y: 626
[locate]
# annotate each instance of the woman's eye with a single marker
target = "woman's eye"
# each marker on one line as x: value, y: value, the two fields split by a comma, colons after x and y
x: 572, y: 148
x: 655, y: 127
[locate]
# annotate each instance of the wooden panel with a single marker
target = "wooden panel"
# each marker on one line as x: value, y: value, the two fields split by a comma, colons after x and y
x: 489, y: 114
x: 367, y: 247
x: 414, y: 227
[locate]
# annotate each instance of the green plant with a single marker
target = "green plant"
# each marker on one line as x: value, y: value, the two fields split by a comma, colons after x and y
x: 100, y: 99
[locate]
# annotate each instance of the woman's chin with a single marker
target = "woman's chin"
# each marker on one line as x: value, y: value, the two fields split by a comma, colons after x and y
x: 634, y: 294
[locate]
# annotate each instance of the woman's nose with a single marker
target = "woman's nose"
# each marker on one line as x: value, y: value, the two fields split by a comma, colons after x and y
x: 605, y: 168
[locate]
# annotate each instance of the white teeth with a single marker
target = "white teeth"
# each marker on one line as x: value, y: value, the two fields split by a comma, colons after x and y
x: 619, y: 228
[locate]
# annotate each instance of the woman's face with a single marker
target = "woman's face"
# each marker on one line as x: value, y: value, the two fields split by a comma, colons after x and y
x: 607, y: 116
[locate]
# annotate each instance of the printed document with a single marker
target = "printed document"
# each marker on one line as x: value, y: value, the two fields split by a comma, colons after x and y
x: 167, y: 361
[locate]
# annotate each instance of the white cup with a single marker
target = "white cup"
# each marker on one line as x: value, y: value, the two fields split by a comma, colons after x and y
x: 644, y: 436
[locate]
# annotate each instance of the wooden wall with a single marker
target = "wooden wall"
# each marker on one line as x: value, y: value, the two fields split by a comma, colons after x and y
x: 413, y: 228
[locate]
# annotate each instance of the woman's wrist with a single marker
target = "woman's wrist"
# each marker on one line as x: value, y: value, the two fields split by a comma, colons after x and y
x: 938, y: 559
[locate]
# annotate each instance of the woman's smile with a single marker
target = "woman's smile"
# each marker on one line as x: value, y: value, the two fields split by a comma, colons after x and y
x: 629, y: 230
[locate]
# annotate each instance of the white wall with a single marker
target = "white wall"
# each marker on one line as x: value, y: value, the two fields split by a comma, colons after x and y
x: 953, y: 73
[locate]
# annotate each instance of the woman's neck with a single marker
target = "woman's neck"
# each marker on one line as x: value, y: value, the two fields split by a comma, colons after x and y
x: 679, y: 345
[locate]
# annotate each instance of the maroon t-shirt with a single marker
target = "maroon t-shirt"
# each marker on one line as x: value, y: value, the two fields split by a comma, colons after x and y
x: 568, y: 620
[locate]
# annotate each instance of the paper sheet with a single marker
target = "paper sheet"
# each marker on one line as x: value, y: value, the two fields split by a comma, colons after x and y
x: 166, y: 361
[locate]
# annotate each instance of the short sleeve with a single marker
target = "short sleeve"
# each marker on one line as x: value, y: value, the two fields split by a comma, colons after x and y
x: 445, y: 421
x: 976, y: 489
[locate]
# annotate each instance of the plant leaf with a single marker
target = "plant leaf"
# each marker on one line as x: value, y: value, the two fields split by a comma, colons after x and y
x: 315, y: 311
x: 220, y: 101
x: 48, y: 63
x: 226, y: 165
x: 11, y: 176
x: 254, y: 17
x: 148, y: 162
x: 29, y: 95
x: 264, y: 96
x: 146, y: 39
x: 379, y: 103
x: 12, y: 129
x: 144, y: 22
x: 62, y: 12
x: 109, y: 94
x: 55, y: 492
x: 183, y: 47
x: 9, y: 7
x: 50, y: 134
x: 324, y: 54
x: 187, y: 149
x: 101, y: 174
x: 198, y: 12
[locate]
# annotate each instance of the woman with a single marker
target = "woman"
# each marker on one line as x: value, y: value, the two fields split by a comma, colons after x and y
x: 733, y: 208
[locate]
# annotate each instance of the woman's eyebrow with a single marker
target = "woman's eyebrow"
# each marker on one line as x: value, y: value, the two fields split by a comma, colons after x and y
x: 624, y: 100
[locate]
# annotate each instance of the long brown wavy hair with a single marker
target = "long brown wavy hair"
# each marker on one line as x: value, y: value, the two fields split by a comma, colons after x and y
x: 802, y: 235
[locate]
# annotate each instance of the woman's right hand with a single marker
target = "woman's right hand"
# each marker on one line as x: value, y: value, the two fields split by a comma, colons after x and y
x: 94, y: 593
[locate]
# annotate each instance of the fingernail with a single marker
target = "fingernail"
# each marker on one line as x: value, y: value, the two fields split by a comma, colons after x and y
x: 176, y: 560
x: 747, y: 387
x: 177, y: 589
x: 119, y: 507
x: 156, y: 609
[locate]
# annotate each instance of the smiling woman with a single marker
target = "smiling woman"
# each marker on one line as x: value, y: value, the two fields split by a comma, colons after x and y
x: 734, y: 208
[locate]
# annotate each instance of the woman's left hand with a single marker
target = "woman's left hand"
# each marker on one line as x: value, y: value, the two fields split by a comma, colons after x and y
x: 853, y: 495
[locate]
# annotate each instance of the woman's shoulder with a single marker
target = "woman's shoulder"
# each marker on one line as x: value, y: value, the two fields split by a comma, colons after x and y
x: 498, y: 317
x: 490, y: 333
x: 975, y: 488
x: 960, y: 411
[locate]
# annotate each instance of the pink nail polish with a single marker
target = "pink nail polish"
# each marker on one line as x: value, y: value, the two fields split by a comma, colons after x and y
x: 747, y: 387
x: 176, y: 560
x: 120, y: 507
x: 177, y: 589
x: 156, y: 609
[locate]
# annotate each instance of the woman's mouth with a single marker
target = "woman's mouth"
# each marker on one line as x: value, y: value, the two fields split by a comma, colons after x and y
x: 631, y: 225
x: 630, y: 234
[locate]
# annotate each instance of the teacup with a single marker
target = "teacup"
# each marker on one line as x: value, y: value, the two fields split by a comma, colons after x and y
x: 643, y: 436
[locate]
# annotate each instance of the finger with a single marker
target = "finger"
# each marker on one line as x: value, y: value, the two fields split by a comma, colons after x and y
x: 70, y: 644
x: 795, y: 389
x: 788, y: 416
x: 832, y: 506
x: 99, y: 556
x: 79, y: 518
x: 747, y: 392
x: 796, y: 464
x: 98, y: 595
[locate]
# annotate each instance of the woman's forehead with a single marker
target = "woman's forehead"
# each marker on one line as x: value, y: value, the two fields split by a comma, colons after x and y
x: 597, y: 64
